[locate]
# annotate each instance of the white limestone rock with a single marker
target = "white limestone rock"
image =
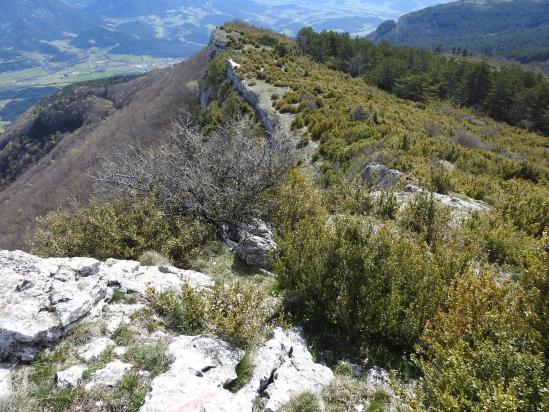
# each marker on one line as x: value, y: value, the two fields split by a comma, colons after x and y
x: 253, y: 243
x: 5, y: 380
x: 461, y: 206
x: 117, y: 314
x: 42, y: 299
x: 93, y: 350
x: 195, y: 380
x: 130, y: 277
x: 285, y: 368
x: 71, y: 377
x: 110, y: 375
x: 380, y: 177
x: 204, y: 365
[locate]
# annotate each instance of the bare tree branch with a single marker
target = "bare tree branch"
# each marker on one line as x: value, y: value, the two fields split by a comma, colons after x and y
x: 220, y: 178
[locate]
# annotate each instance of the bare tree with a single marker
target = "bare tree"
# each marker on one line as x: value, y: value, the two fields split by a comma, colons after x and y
x: 221, y: 177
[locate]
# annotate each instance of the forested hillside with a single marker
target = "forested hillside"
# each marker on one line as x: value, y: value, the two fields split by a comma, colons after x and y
x: 517, y: 30
x: 506, y: 93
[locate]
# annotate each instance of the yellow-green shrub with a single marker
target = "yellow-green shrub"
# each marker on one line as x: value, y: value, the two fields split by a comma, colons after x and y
x: 119, y: 229
x: 482, y: 353
x: 362, y: 280
x: 235, y: 311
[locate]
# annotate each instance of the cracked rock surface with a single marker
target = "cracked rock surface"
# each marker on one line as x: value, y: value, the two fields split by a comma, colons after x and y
x: 284, y: 368
x: 41, y: 300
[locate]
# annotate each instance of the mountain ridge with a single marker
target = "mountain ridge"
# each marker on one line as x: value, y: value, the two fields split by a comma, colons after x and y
x: 513, y: 29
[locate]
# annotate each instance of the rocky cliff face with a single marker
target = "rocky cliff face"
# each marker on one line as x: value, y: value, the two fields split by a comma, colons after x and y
x: 42, y: 300
x: 257, y: 95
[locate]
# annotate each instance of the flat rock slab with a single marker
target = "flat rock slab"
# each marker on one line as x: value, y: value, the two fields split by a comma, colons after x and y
x: 130, y: 277
x: 204, y: 365
x: 71, y: 377
x: 93, y: 350
x: 42, y: 299
x: 110, y: 375
x: 195, y: 380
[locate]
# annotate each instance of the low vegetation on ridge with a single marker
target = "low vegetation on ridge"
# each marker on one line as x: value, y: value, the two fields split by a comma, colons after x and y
x: 456, y: 305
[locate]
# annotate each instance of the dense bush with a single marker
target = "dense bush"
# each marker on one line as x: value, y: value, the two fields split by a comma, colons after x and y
x: 482, y: 353
x: 362, y: 280
x: 221, y: 177
x: 235, y: 311
x: 119, y: 229
x: 525, y: 205
x: 425, y: 216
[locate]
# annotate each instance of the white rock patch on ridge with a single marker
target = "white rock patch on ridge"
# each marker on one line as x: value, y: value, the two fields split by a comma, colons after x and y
x: 42, y: 299
x: 283, y: 368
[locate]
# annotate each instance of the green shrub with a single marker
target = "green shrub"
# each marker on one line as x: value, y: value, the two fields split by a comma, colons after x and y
x: 386, y: 205
x: 525, y: 205
x: 425, y: 216
x: 151, y: 357
x: 535, y: 280
x: 152, y: 258
x: 234, y: 311
x: 182, y: 312
x: 482, y: 353
x: 305, y: 402
x: 120, y: 229
x: 440, y: 180
x: 123, y: 335
x: 363, y: 281
x: 297, y: 199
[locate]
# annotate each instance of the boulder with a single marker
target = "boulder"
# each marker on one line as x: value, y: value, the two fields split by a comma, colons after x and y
x: 379, y: 177
x: 253, y: 243
x: 110, y: 375
x: 131, y: 277
x: 71, y: 377
x: 5, y: 381
x: 42, y: 299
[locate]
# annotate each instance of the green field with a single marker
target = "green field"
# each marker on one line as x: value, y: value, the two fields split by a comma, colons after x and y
x: 96, y: 64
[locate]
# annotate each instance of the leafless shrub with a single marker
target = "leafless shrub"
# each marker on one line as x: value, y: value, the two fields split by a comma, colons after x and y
x: 468, y: 140
x: 221, y: 177
x: 432, y: 128
x: 359, y: 114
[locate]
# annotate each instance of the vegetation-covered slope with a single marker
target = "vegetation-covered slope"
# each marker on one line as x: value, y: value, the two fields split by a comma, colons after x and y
x: 517, y: 29
x: 52, y: 147
x: 396, y: 274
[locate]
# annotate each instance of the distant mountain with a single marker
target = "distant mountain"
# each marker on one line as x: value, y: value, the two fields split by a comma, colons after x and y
x: 514, y: 29
x: 39, y: 32
x: 32, y: 26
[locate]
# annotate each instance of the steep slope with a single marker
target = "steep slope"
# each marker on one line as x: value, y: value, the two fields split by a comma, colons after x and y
x: 516, y: 29
x: 123, y: 114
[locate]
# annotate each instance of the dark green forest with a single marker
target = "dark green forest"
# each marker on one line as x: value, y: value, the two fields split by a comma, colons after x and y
x: 509, y: 93
x: 517, y: 29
